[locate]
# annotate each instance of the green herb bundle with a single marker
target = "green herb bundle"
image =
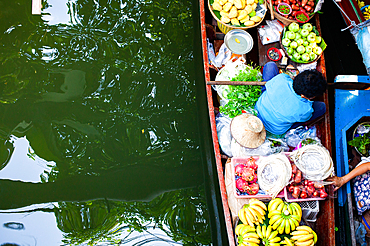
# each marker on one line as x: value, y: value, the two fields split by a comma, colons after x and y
x: 362, y: 143
x: 242, y: 97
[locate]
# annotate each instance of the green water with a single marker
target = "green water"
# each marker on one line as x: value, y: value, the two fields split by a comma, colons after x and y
x: 100, y: 140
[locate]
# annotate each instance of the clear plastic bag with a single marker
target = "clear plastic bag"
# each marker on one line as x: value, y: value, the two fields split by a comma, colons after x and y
x: 301, y: 136
x: 265, y: 149
x: 223, y: 133
x: 271, y: 32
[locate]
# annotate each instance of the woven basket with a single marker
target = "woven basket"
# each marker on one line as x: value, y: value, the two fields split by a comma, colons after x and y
x: 285, y: 20
x: 224, y: 28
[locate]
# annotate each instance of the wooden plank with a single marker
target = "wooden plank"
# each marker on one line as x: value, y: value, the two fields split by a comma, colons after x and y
x: 36, y: 7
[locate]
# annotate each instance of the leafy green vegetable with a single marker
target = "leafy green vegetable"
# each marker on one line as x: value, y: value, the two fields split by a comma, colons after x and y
x: 242, y: 97
x: 362, y: 143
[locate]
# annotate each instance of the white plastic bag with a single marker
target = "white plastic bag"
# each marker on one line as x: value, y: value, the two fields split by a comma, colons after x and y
x: 223, y: 133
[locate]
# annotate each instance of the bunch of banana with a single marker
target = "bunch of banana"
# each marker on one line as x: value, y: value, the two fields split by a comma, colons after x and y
x: 286, y: 241
x: 304, y: 236
x: 284, y: 216
x: 268, y: 236
x: 237, y: 11
x: 253, y: 213
x: 248, y: 239
x: 360, y: 3
x: 242, y: 229
x: 366, y: 13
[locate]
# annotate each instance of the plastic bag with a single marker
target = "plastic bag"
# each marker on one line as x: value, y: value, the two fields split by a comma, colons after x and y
x: 263, y: 150
x: 223, y: 133
x: 301, y: 136
x: 278, y: 145
x: 361, y: 33
x: 211, y: 52
x: 223, y: 56
x: 271, y: 32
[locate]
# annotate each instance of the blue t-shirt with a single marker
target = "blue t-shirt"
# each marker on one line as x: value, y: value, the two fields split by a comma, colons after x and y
x: 279, y: 107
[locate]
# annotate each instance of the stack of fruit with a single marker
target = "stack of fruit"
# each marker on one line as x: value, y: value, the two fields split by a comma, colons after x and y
x: 237, y: 12
x: 273, y: 225
x: 307, y: 6
x: 301, y: 188
x: 301, y: 43
x: 246, y: 177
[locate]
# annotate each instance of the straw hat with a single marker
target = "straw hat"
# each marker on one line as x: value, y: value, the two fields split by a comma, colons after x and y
x: 248, y: 130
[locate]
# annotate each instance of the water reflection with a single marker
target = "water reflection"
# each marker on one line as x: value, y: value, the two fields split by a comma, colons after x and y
x: 99, y: 123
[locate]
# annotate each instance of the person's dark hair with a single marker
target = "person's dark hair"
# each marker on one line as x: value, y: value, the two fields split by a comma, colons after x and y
x: 309, y: 83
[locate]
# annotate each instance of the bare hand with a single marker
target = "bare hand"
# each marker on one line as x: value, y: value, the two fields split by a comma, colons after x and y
x: 337, y: 182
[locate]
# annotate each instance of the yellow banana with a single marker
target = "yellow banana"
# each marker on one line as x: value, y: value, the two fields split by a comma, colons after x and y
x: 272, y: 235
x: 255, y: 214
x: 299, y: 233
x: 259, y: 231
x: 250, y: 244
x: 272, y: 213
x: 292, y: 224
x: 274, y: 204
x: 242, y: 217
x: 281, y: 227
x: 246, y: 229
x: 249, y: 217
x: 287, y: 226
x: 289, y: 209
x: 251, y: 240
x: 258, y: 203
x: 284, y: 207
x: 268, y: 231
x: 238, y: 228
x: 288, y: 242
x: 314, y: 236
x: 250, y: 235
x: 277, y: 223
x: 296, y: 217
x: 258, y: 209
x: 304, y: 238
x: 274, y: 218
x: 297, y: 208
x: 264, y: 231
x: 306, y: 243
x: 305, y: 228
x: 274, y: 244
x: 280, y: 207
x: 275, y: 240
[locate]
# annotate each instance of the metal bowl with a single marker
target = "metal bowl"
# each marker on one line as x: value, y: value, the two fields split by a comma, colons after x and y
x: 238, y: 41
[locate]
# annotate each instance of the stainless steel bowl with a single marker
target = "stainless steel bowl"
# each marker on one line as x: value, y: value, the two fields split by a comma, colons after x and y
x: 238, y: 41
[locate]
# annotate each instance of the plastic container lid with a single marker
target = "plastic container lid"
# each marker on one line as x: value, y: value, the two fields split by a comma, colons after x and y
x: 238, y: 41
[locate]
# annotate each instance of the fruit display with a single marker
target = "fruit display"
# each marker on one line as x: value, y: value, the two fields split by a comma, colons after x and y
x: 246, y: 177
x: 237, y: 12
x: 303, y: 235
x: 301, y: 188
x: 306, y: 6
x: 366, y: 12
x: 284, y: 217
x: 302, y: 44
x: 272, y: 225
x: 253, y: 213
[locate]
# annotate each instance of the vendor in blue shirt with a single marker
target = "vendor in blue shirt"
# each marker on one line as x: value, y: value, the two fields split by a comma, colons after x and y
x: 286, y: 103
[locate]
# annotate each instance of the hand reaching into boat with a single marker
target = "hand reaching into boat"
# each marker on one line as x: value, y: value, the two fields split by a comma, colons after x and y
x: 340, y: 181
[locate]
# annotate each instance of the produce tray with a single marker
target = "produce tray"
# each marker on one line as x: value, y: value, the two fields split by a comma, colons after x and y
x: 289, y: 198
x: 261, y: 194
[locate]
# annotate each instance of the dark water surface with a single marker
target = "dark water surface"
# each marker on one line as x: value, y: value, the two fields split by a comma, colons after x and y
x: 100, y: 140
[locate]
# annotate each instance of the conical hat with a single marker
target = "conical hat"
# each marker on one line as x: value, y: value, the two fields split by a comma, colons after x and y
x: 248, y: 130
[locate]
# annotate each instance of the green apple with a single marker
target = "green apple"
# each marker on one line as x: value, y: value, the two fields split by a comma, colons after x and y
x: 300, y: 41
x: 318, y: 39
x: 285, y: 42
x: 301, y: 49
x: 304, y: 32
x: 297, y: 36
x: 290, y: 50
x: 311, y: 37
x: 293, y: 44
x: 313, y: 56
x: 305, y: 57
x: 307, y: 26
x: 305, y: 43
x: 294, y: 27
x: 296, y: 56
x: 317, y: 50
x: 313, y: 45
x: 290, y: 34
x: 308, y: 49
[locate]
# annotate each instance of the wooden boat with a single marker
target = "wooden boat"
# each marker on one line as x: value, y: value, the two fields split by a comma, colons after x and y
x: 325, y: 224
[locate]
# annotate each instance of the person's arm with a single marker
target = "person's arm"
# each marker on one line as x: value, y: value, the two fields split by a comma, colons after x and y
x: 340, y: 181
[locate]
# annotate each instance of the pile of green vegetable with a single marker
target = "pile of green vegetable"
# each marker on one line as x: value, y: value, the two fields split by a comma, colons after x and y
x: 362, y: 142
x: 242, y: 97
